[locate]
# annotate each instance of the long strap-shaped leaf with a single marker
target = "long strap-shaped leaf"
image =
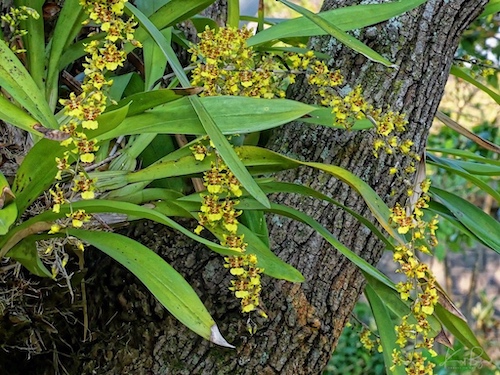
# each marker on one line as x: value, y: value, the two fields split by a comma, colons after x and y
x: 69, y: 23
x: 161, y: 279
x: 132, y: 210
x: 465, y: 154
x: 284, y: 187
x: 455, y: 168
x: 173, y: 12
x: 385, y: 326
x: 227, y: 153
x: 180, y: 117
x: 349, y: 254
x: 260, y: 161
x: 16, y: 80
x: 340, y: 35
x: 34, y: 41
x: 12, y: 114
x: 346, y: 18
x: 477, y: 221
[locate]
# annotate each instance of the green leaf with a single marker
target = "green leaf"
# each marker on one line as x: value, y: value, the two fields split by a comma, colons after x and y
x: 12, y: 114
x: 460, y: 329
x: 69, y: 23
x: 441, y: 210
x: 164, y: 282
x: 340, y: 35
x: 478, y: 168
x: 272, y: 265
x: 8, y: 216
x: 127, y: 160
x: 15, y: 79
x: 492, y: 7
x: 172, y: 13
x: 233, y: 14
x: 465, y: 154
x: 8, y: 208
x: 347, y: 18
x: 134, y: 211
x: 349, y: 254
x: 453, y: 167
x: 476, y: 220
x: 392, y: 300
x: 138, y: 103
x: 255, y: 221
x: 385, y: 326
x: 461, y: 73
x: 264, y: 158
x: 161, y: 146
x: 251, y: 204
x: 26, y: 253
x: 179, y: 117
x: 77, y: 50
x: 154, y: 60
x: 152, y: 30
x: 34, y: 42
x: 153, y: 194
x: 120, y: 84
x: 36, y: 173
x: 200, y: 23
x: 123, y: 189
x: 259, y: 161
x: 148, y: 7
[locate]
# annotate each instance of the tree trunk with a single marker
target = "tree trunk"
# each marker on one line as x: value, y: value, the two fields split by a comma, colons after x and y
x: 422, y: 43
x: 131, y: 333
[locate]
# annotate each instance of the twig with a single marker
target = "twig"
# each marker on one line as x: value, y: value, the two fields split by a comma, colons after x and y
x: 101, y: 163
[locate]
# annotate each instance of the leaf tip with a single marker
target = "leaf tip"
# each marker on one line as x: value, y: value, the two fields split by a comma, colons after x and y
x: 217, y: 338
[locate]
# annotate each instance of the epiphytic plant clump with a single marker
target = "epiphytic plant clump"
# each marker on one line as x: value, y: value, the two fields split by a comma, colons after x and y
x: 120, y: 148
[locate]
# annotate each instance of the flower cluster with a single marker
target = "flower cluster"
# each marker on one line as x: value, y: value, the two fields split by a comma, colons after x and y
x: 478, y: 67
x: 247, y: 285
x: 225, y: 65
x: 218, y: 214
x: 12, y: 20
x: 83, y: 109
x: 102, y: 55
x: 419, y: 287
x: 367, y: 340
x: 53, y: 252
x: 349, y: 108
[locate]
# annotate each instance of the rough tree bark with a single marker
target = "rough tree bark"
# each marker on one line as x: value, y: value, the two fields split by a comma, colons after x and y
x: 132, y: 334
